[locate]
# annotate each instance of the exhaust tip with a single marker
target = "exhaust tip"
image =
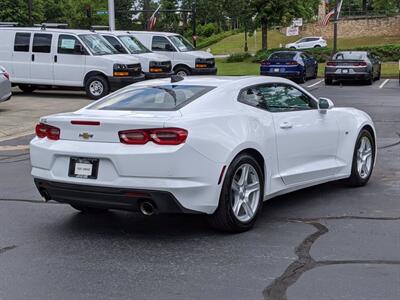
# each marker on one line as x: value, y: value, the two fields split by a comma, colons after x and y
x: 45, y: 194
x: 147, y: 208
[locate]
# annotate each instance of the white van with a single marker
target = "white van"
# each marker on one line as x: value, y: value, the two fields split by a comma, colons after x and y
x: 185, y: 59
x: 46, y: 58
x: 153, y: 65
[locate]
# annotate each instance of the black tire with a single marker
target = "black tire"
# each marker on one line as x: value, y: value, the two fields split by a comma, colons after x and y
x: 292, y: 48
x: 317, y: 46
x: 224, y: 218
x: 303, y: 78
x: 328, y: 81
x: 102, y: 84
x: 355, y: 178
x: 182, y: 71
x: 88, y: 210
x: 27, y: 88
x: 370, y: 80
x: 315, y: 75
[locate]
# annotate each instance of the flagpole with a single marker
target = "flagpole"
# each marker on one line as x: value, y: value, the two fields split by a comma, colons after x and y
x: 335, y: 28
x: 111, y: 14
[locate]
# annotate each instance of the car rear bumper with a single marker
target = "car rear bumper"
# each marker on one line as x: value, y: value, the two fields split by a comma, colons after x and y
x: 5, y: 97
x: 120, y: 82
x: 109, y: 198
x: 203, y: 71
x: 349, y: 76
x: 295, y: 74
x: 181, y: 171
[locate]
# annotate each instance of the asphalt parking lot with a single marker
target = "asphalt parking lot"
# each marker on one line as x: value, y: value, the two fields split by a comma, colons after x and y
x: 325, y: 242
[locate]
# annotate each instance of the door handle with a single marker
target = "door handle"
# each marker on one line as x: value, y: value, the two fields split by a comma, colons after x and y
x: 286, y: 125
x: 33, y: 57
x: 55, y: 58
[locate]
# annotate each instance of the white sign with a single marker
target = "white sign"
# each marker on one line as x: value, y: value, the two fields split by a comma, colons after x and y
x: 298, y: 22
x: 292, y: 31
x: 67, y: 43
x: 83, y: 169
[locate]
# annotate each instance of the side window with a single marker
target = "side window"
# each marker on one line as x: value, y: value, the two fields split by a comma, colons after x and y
x: 42, y: 43
x: 67, y: 44
x: 22, y: 41
x: 115, y: 43
x: 277, y: 98
x: 304, y: 56
x: 161, y: 43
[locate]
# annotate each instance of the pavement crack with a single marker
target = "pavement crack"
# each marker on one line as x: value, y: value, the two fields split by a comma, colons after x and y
x: 391, y: 145
x: 277, y: 290
x: 8, y: 248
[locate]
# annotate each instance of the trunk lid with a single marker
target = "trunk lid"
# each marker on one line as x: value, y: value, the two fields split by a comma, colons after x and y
x: 103, y: 126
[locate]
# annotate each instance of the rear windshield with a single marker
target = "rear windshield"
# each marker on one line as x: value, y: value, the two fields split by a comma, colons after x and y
x: 282, y: 55
x: 163, y: 97
x: 349, y: 55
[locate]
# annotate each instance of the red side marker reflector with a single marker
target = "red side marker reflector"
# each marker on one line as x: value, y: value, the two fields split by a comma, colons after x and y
x: 221, y: 176
x: 88, y: 123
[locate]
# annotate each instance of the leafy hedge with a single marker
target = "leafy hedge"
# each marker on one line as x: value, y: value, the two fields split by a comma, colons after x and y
x: 238, y: 57
x: 206, y: 42
x: 385, y: 52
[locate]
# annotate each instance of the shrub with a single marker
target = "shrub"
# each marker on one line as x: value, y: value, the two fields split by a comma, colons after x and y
x: 385, y: 52
x: 206, y: 42
x: 207, y: 30
x: 238, y: 57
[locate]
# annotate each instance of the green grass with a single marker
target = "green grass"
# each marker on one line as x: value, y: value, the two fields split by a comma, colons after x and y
x: 235, y: 43
x: 248, y: 68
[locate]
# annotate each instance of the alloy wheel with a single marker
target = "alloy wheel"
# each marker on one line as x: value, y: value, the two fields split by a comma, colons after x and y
x: 245, y: 191
x: 364, y: 157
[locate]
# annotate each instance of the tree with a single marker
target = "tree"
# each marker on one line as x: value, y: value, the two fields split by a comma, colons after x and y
x: 281, y: 12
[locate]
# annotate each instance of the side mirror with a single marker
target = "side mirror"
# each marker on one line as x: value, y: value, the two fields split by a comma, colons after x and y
x: 79, y: 49
x: 120, y: 49
x: 169, y: 48
x: 324, y: 104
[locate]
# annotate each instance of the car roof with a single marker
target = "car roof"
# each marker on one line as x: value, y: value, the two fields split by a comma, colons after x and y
x: 356, y: 52
x: 58, y: 30
x: 217, y: 81
x: 153, y: 32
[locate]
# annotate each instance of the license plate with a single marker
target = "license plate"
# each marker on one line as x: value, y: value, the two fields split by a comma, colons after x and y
x: 83, y: 167
x: 276, y: 70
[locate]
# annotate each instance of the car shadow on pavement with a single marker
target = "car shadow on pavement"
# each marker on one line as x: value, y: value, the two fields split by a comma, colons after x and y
x: 56, y: 94
x: 120, y: 223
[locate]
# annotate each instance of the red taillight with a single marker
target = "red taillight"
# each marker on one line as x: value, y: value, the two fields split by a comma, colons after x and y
x: 160, y: 136
x: 266, y: 63
x: 134, y: 137
x: 292, y: 63
x: 6, y: 75
x: 331, y: 64
x: 360, y: 64
x: 44, y: 130
x: 88, y: 123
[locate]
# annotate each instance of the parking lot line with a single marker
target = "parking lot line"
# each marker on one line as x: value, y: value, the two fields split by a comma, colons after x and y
x: 384, y: 83
x: 314, y: 84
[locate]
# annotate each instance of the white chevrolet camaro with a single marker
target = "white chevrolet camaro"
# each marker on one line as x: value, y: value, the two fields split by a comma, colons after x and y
x: 219, y: 146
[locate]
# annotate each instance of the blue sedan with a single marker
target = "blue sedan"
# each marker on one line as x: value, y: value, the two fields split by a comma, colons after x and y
x: 296, y: 65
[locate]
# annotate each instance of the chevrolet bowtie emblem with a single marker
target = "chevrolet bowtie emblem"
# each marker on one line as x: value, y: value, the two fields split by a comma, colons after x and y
x: 86, y: 135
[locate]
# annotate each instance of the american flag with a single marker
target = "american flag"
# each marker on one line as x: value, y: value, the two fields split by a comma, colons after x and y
x: 329, y: 15
x: 153, y: 19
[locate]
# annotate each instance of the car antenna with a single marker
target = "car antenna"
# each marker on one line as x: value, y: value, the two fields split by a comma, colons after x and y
x: 176, y: 78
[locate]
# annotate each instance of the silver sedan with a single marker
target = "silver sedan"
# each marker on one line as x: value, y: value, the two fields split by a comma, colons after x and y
x: 5, y: 85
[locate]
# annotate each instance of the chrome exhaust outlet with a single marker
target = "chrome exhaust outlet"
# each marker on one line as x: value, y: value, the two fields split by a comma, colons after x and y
x: 147, y: 208
x: 45, y: 194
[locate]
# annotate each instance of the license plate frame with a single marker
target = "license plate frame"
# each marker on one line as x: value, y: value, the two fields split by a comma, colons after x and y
x: 89, y: 162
